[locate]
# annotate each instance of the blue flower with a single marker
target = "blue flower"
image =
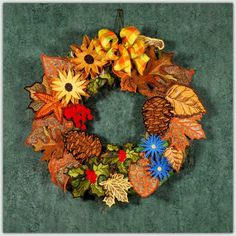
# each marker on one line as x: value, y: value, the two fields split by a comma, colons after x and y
x: 159, y: 168
x: 153, y: 146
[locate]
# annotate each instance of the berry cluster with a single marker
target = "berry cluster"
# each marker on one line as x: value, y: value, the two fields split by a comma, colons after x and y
x: 79, y: 114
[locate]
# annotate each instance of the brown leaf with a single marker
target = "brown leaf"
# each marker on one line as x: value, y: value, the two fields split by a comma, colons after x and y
x: 54, y: 131
x: 128, y: 84
x: 51, y: 148
x: 174, y: 157
x: 148, y: 84
x: 141, y: 180
x: 184, y: 101
x: 35, y: 88
x: 179, y: 128
x: 51, y: 65
x: 59, y: 167
x: 174, y: 72
x: 165, y: 59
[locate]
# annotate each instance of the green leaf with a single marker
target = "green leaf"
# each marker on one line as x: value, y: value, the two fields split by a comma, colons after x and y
x: 83, y: 186
x: 112, y: 148
x: 101, y: 169
x: 138, y: 149
x: 129, y: 146
x: 131, y: 154
x: 75, y: 172
x: 75, y: 183
x: 121, y: 168
x: 95, y: 85
x: 98, y: 190
x: 101, y: 178
x: 106, y: 75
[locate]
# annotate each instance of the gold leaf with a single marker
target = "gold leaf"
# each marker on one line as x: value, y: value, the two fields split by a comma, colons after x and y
x: 175, y: 158
x: 116, y: 187
x: 184, y: 101
x: 109, y: 200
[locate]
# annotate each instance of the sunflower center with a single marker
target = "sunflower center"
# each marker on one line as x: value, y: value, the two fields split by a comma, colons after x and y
x: 89, y: 59
x: 159, y: 168
x: 153, y: 146
x: 68, y: 87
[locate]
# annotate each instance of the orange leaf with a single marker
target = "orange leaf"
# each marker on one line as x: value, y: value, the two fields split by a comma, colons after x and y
x: 179, y: 128
x: 174, y: 157
x: 184, y: 101
x: 141, y: 180
x: 52, y: 105
x: 58, y: 167
x: 51, y: 65
x: 165, y: 59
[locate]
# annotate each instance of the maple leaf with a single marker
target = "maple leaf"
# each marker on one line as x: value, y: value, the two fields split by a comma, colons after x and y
x: 52, y: 105
x: 174, y: 72
x: 164, y: 67
x: 116, y: 187
x: 181, y: 128
x: 51, y: 148
x: 148, y: 84
x: 141, y: 180
x: 51, y: 65
x: 174, y: 157
x: 47, y: 135
x: 59, y: 167
x: 184, y: 101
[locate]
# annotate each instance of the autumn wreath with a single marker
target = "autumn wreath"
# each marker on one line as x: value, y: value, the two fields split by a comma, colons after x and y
x: 77, y: 160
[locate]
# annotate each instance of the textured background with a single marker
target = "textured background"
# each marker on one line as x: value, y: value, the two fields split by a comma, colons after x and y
x: 199, y: 199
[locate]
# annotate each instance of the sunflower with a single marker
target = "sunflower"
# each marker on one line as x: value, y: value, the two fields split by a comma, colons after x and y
x: 87, y: 60
x: 69, y: 87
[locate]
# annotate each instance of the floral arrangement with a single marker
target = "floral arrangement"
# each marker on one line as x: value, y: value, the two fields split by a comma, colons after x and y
x: 78, y: 161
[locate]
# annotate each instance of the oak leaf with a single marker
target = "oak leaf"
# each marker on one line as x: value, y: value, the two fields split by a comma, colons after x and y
x: 184, y: 101
x: 141, y: 180
x: 181, y: 128
x: 52, y: 105
x: 116, y: 187
x: 174, y: 157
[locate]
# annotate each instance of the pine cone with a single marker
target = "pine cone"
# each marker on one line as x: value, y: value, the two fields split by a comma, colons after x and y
x: 157, y: 113
x: 82, y: 145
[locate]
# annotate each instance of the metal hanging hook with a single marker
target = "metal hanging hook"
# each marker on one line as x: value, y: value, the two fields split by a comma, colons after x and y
x: 119, y: 21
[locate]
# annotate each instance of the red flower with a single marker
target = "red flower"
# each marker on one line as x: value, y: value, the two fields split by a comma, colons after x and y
x: 91, y: 176
x: 122, y: 155
x: 79, y: 114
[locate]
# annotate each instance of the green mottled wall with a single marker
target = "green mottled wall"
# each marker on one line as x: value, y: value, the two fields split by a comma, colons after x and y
x: 199, y: 199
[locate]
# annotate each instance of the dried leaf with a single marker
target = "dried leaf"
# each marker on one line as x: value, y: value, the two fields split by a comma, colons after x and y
x: 52, y: 105
x: 140, y: 179
x: 47, y: 83
x: 36, y: 105
x: 149, y: 84
x: 174, y: 72
x: 51, y: 65
x: 175, y: 158
x: 51, y: 148
x: 116, y: 187
x: 109, y: 200
x: 128, y: 84
x: 39, y: 138
x: 35, y: 88
x: 179, y: 128
x: 184, y: 101
x: 59, y: 167
x: 165, y: 59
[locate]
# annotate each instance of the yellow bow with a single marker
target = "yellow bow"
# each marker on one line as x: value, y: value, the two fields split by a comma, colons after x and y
x: 131, y: 48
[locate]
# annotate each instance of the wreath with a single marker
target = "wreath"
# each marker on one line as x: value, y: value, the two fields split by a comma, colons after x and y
x: 78, y: 161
